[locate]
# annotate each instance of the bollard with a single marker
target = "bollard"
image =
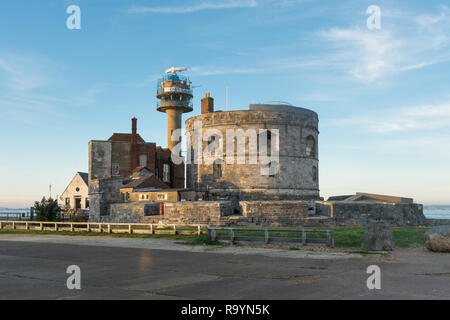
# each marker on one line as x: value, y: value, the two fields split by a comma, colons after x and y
x: 266, y: 236
x: 109, y: 228
x: 231, y: 236
x: 213, y: 234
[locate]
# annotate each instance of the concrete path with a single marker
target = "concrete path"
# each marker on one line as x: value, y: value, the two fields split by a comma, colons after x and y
x: 34, y: 267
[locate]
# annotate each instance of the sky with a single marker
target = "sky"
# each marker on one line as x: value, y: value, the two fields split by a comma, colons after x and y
x: 382, y: 94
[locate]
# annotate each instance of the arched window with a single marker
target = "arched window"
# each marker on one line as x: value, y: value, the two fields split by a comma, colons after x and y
x: 314, y: 174
x: 310, y: 146
x: 217, y: 168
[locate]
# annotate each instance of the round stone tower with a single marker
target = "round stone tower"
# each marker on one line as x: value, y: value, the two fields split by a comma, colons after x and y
x: 175, y: 94
x: 291, y: 133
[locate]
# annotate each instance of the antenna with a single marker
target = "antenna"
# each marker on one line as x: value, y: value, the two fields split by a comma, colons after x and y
x: 174, y: 70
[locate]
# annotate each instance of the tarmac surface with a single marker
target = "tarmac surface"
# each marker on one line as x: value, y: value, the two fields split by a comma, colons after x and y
x: 34, y: 267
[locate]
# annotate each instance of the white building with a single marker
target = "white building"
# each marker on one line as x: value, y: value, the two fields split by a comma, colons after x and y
x: 75, y: 196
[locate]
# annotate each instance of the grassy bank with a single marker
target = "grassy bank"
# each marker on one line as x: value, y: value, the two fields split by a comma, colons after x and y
x: 344, y: 237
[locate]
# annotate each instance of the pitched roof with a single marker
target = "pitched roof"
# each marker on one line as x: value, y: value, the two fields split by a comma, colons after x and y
x: 84, y: 176
x: 126, y: 137
x: 147, y: 181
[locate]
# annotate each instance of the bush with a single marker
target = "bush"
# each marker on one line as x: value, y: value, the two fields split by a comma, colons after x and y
x: 47, y: 210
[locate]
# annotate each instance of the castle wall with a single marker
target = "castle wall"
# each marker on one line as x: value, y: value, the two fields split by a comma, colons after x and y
x: 297, y: 174
x: 99, y: 159
x: 359, y: 213
x: 103, y: 193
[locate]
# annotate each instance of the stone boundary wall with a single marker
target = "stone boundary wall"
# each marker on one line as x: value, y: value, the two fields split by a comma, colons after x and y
x: 215, y: 213
x: 275, y: 213
x: 359, y: 213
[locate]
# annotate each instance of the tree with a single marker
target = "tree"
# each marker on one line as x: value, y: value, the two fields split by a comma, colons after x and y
x: 47, y: 209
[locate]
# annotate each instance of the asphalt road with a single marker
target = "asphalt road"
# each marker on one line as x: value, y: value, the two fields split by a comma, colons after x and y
x: 33, y: 269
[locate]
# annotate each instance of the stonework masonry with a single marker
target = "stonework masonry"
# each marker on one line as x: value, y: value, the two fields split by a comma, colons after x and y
x: 360, y: 213
x: 296, y: 177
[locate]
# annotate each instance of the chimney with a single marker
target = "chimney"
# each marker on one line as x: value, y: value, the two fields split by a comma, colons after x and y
x: 134, y: 154
x: 207, y: 104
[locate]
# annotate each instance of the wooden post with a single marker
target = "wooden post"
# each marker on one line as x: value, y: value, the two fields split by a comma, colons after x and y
x: 14, y: 225
x: 56, y: 226
x: 1, y: 225
x: 88, y: 227
x: 266, y: 236
x: 174, y: 229
x: 231, y: 236
x: 129, y: 228
x: 71, y: 227
x: 303, y: 237
x: 41, y: 226
x: 151, y: 228
x: 328, y: 239
x: 26, y: 226
x: 199, y: 230
x: 109, y: 228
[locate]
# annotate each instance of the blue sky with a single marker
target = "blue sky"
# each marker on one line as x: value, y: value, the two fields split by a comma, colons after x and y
x: 383, y: 96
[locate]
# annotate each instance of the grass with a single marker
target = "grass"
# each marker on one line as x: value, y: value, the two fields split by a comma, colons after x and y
x: 344, y: 237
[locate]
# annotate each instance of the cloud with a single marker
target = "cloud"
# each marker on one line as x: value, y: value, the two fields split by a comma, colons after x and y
x: 368, y: 55
x: 197, y: 7
x: 402, y: 119
x: 23, y: 73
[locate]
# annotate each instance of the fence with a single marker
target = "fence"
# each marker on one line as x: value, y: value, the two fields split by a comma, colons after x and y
x: 274, y: 236
x: 15, y: 216
x: 131, y: 228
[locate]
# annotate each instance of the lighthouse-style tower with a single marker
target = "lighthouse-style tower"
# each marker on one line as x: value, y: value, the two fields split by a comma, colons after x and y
x: 175, y: 93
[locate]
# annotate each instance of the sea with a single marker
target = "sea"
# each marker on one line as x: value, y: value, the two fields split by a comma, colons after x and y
x: 436, y: 212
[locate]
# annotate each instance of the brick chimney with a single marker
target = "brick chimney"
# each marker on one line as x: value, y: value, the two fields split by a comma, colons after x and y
x: 207, y: 104
x: 134, y: 153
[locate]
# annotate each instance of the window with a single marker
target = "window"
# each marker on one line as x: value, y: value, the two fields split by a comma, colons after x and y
x: 166, y: 172
x: 86, y: 203
x: 217, y: 168
x: 161, y: 196
x: 122, y: 197
x: 115, y: 169
x: 143, y: 160
x: 260, y: 141
x: 67, y: 202
x: 314, y: 174
x: 128, y: 196
x: 310, y: 147
x: 273, y: 169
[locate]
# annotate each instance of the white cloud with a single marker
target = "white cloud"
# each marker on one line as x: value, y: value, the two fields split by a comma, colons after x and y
x: 21, y: 73
x: 369, y: 55
x: 403, y: 119
x: 197, y: 7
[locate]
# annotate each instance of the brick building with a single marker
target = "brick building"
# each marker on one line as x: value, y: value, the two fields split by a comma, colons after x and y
x: 123, y: 152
